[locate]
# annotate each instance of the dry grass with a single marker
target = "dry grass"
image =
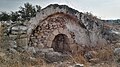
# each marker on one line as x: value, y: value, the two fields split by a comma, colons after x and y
x: 106, y: 53
x: 23, y: 60
x: 78, y: 58
x: 109, y: 64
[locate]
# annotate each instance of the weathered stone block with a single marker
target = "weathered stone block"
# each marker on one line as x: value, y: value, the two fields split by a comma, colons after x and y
x: 60, y: 30
x: 55, y: 57
x: 49, y: 43
x: 55, y: 32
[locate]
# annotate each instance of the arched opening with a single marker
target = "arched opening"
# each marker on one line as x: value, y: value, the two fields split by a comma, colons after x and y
x: 61, y: 43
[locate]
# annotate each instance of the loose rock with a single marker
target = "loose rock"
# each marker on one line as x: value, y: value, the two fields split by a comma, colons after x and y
x: 117, y: 51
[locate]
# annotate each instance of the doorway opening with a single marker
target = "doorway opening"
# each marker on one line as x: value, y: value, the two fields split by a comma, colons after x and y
x: 61, y: 43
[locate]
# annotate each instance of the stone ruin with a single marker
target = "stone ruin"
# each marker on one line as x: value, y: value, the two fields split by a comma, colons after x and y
x: 61, y: 28
x: 55, y: 34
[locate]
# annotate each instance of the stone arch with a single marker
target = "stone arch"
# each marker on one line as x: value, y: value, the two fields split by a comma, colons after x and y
x: 61, y: 43
x: 55, y: 33
x: 49, y: 11
x: 78, y: 24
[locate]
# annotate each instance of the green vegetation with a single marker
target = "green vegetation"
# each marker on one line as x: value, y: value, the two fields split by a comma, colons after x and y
x: 24, y: 13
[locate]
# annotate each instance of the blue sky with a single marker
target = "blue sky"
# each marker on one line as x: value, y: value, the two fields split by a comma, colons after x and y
x: 104, y: 9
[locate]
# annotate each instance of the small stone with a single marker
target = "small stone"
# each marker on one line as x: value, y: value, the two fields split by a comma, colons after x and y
x: 79, y: 65
x: 35, y: 44
x: 51, y: 37
x: 55, y: 57
x: 39, y: 54
x: 13, y: 50
x: 55, y: 32
x: 13, y: 44
x: 118, y: 44
x: 60, y: 30
x: 71, y: 40
x: 31, y: 49
x: 2, y: 54
x: 40, y: 45
x: 117, y: 51
x: 90, y: 55
x: 49, y: 43
x: 32, y: 58
x: 94, y: 60
x: 46, y: 50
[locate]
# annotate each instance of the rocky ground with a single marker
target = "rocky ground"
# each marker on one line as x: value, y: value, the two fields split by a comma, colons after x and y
x: 107, y: 57
x: 12, y: 55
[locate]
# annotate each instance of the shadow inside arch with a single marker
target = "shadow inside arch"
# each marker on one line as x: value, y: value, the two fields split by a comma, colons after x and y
x: 61, y: 43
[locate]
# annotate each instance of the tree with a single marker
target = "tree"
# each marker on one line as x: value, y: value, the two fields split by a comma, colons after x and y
x: 15, y: 16
x: 24, y: 13
x: 27, y: 12
x: 38, y: 8
x: 4, y: 16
